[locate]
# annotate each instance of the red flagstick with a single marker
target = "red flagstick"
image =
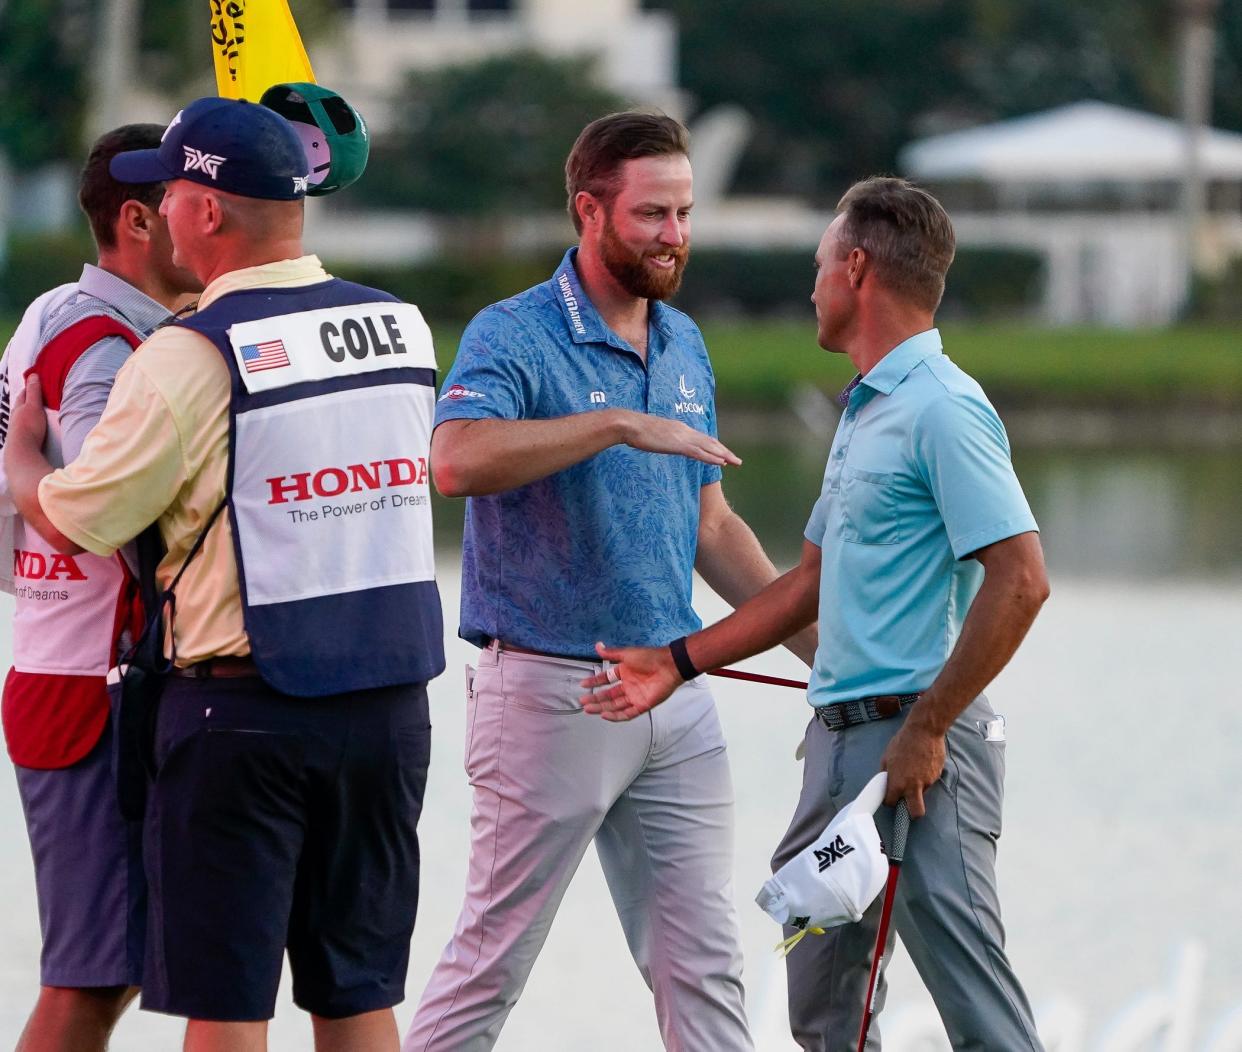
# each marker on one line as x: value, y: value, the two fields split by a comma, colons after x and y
x: 755, y: 677
x: 901, y: 827
x: 896, y: 852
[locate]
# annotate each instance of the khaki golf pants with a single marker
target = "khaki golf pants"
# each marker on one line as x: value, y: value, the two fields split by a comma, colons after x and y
x: 947, y: 911
x: 656, y: 797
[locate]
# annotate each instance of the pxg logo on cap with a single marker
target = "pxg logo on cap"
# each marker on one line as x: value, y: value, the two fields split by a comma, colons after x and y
x: 230, y: 144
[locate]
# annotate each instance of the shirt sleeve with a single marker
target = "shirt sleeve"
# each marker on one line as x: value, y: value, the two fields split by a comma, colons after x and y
x: 492, y: 376
x: 129, y: 470
x: 86, y: 391
x: 962, y: 452
x: 817, y: 524
x: 711, y: 472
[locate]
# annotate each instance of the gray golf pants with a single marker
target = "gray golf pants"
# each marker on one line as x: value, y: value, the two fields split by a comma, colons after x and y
x: 654, y: 794
x: 946, y: 910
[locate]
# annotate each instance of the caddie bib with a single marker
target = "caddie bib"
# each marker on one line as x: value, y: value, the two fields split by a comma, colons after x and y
x: 70, y: 609
x: 328, y: 488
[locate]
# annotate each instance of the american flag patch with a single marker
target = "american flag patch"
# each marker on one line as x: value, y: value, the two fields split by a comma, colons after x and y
x: 267, y: 355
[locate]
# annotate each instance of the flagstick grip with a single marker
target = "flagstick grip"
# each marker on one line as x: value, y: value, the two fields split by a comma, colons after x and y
x: 901, y: 829
x: 896, y: 852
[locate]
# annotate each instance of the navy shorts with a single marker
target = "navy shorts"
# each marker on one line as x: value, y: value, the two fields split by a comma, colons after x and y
x: 278, y: 823
x: 88, y: 873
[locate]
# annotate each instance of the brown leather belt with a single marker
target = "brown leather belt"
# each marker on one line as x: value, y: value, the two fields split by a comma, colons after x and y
x: 842, y: 714
x: 501, y: 647
x: 223, y: 667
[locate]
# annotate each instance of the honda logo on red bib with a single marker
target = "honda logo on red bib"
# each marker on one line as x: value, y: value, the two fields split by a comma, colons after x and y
x: 39, y: 567
x: 353, y: 478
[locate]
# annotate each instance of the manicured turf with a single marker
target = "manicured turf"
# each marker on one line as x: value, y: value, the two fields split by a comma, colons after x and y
x: 758, y: 363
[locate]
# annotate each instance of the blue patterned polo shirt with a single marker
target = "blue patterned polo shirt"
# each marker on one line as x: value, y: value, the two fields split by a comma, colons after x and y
x: 604, y: 549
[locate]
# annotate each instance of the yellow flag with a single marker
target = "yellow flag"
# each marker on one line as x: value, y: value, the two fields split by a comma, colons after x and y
x: 255, y: 44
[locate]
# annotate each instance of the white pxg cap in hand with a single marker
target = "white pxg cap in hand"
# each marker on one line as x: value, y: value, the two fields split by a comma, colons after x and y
x: 834, y: 879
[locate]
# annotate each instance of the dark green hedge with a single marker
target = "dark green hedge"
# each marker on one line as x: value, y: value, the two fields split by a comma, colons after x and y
x: 993, y: 283
x: 983, y: 283
x: 718, y: 284
x: 1217, y: 299
x: 452, y: 290
x: 34, y: 264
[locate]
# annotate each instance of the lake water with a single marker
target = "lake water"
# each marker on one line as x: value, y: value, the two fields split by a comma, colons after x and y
x: 1121, y: 842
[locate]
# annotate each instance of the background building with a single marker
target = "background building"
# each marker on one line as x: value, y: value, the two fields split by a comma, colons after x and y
x: 377, y: 41
x: 1096, y: 190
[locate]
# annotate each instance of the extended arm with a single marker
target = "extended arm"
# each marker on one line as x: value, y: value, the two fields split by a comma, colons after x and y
x: 26, y: 466
x: 648, y: 675
x: 133, y: 462
x: 731, y: 560
x: 471, y: 458
x: 1014, y: 587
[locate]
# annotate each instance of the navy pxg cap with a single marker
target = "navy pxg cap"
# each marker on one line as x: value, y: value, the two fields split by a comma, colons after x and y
x: 232, y: 145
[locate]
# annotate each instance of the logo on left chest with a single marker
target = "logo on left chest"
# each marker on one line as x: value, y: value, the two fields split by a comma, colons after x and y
x: 687, y: 403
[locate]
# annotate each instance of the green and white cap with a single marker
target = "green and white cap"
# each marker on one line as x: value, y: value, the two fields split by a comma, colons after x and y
x: 332, y: 132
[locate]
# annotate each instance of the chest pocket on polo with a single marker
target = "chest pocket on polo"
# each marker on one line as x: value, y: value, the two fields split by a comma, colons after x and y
x: 869, y: 507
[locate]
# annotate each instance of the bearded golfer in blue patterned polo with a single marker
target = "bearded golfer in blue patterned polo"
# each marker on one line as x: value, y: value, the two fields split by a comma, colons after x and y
x: 579, y: 420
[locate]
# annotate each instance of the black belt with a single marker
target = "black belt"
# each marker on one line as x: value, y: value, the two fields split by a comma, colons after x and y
x: 842, y: 714
x: 502, y: 647
x: 223, y: 667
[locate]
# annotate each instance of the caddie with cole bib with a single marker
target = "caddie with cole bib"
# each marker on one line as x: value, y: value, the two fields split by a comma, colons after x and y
x: 328, y: 458
x: 292, y: 740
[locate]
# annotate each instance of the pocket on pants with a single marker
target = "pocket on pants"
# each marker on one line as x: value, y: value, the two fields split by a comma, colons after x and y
x: 483, y: 721
x: 975, y: 772
x: 546, y: 704
x: 537, y: 689
x: 470, y: 715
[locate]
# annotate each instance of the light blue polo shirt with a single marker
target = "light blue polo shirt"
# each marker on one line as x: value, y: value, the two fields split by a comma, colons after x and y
x: 918, y: 477
x: 604, y: 549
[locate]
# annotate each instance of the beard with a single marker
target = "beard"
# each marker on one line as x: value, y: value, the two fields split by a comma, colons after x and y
x: 630, y: 270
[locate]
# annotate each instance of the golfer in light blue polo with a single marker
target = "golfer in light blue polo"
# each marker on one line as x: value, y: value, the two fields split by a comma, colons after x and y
x: 923, y: 563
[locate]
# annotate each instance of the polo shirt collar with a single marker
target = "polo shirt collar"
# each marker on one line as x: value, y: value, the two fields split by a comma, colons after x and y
x: 284, y: 273
x: 142, y: 312
x: 581, y: 318
x: 895, y: 366
x: 583, y: 322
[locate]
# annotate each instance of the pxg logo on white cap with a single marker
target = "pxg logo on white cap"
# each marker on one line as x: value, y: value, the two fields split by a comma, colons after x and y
x: 230, y: 144
x: 835, y: 878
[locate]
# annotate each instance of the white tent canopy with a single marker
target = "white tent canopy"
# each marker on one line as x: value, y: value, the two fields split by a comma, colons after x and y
x: 1074, y: 143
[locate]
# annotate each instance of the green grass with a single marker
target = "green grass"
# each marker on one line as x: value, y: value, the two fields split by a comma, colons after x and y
x: 758, y: 363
